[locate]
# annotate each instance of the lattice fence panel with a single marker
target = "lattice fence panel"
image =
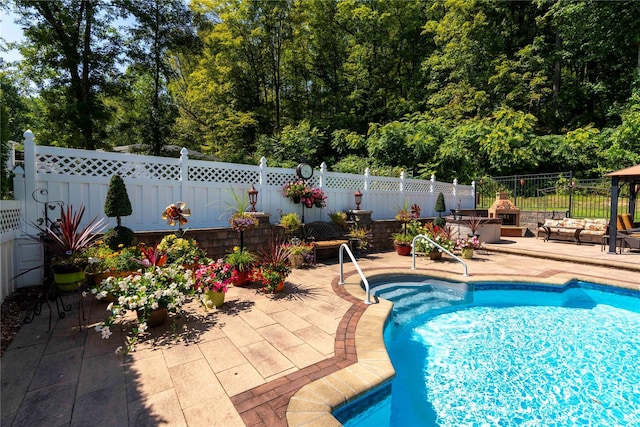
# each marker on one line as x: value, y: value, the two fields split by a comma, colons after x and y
x: 203, y: 173
x: 10, y: 219
x: 378, y: 184
x: 412, y: 185
x: 59, y: 164
x: 281, y: 178
x: 344, y: 182
x: 444, y: 188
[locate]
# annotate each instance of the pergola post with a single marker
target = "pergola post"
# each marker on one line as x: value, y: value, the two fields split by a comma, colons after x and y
x: 613, y: 229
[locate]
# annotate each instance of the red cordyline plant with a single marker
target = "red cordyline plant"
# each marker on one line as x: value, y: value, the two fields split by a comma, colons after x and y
x: 153, y: 257
x: 67, y: 240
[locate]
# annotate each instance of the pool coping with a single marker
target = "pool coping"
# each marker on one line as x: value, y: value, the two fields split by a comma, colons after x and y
x: 314, y: 403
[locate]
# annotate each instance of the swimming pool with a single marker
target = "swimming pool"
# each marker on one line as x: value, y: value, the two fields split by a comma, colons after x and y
x: 506, y: 354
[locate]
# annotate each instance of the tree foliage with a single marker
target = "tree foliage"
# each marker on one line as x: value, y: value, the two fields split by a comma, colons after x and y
x: 459, y: 88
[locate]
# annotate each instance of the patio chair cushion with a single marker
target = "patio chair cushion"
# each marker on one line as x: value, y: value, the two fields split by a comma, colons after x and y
x: 619, y: 223
x: 626, y: 221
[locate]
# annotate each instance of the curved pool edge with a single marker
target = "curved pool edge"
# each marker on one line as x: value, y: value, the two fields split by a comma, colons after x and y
x: 315, y: 402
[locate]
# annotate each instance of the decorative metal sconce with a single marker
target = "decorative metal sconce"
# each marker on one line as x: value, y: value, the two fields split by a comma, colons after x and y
x: 358, y: 197
x: 253, y: 198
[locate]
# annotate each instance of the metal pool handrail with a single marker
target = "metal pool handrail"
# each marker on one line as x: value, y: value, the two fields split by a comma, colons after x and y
x: 422, y: 236
x: 343, y: 247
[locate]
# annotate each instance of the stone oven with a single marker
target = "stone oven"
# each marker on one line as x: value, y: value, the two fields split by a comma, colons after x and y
x: 503, y: 208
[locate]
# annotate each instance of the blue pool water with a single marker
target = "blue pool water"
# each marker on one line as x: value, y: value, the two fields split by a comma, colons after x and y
x: 507, y: 355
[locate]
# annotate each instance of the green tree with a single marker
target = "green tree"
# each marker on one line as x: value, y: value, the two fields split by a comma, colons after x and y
x: 70, y: 52
x: 160, y: 26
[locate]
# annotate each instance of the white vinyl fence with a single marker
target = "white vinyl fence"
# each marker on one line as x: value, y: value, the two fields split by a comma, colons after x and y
x: 81, y: 177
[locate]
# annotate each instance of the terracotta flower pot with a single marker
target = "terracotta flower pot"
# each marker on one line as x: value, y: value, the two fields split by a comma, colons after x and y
x: 435, y: 255
x: 240, y: 278
x: 403, y: 250
x: 156, y: 318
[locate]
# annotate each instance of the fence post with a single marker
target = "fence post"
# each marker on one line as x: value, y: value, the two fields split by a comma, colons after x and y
x: 31, y: 208
x: 184, y: 173
x: 323, y: 171
x: 433, y: 183
x: 366, y: 179
x: 262, y: 179
x: 571, y: 185
x: 475, y: 198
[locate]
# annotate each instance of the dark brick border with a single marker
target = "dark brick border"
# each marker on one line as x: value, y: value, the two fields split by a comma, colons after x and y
x: 266, y: 404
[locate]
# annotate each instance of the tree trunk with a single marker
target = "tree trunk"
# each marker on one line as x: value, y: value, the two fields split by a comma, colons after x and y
x: 85, y: 101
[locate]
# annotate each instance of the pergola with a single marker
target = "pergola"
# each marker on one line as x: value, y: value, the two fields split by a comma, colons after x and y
x: 630, y: 176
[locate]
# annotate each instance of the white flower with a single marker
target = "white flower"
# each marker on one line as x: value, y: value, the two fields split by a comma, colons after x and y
x: 142, y: 327
x: 106, y: 333
x: 110, y: 306
x: 84, y: 294
x: 94, y: 290
x: 119, y: 350
x: 98, y: 328
x: 154, y: 305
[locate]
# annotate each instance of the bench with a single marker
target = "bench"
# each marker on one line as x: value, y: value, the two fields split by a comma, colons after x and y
x: 577, y: 230
x: 324, y: 236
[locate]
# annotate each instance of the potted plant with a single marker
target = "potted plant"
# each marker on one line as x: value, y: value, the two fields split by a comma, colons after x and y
x: 273, y: 268
x: 102, y: 261
x: 290, y: 223
x: 300, y: 252
x: 361, y: 237
x: 406, y: 216
x: 473, y: 222
x: 212, y: 281
x: 182, y: 251
x: 402, y: 243
x: 152, y: 295
x: 241, y: 220
x: 440, y: 239
x: 314, y: 197
x: 295, y: 190
x: 467, y: 246
x: 241, y: 262
x: 339, y: 218
x: 67, y: 243
x: 117, y: 204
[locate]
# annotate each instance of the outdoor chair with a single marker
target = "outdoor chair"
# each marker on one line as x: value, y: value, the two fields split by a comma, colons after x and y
x: 632, y: 241
x: 626, y: 225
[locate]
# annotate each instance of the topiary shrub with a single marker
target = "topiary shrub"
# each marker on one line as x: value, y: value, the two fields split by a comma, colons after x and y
x: 118, y: 205
x: 440, y: 207
x: 119, y: 237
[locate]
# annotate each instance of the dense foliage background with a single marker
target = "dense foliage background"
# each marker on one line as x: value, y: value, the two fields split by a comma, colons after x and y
x: 458, y: 88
